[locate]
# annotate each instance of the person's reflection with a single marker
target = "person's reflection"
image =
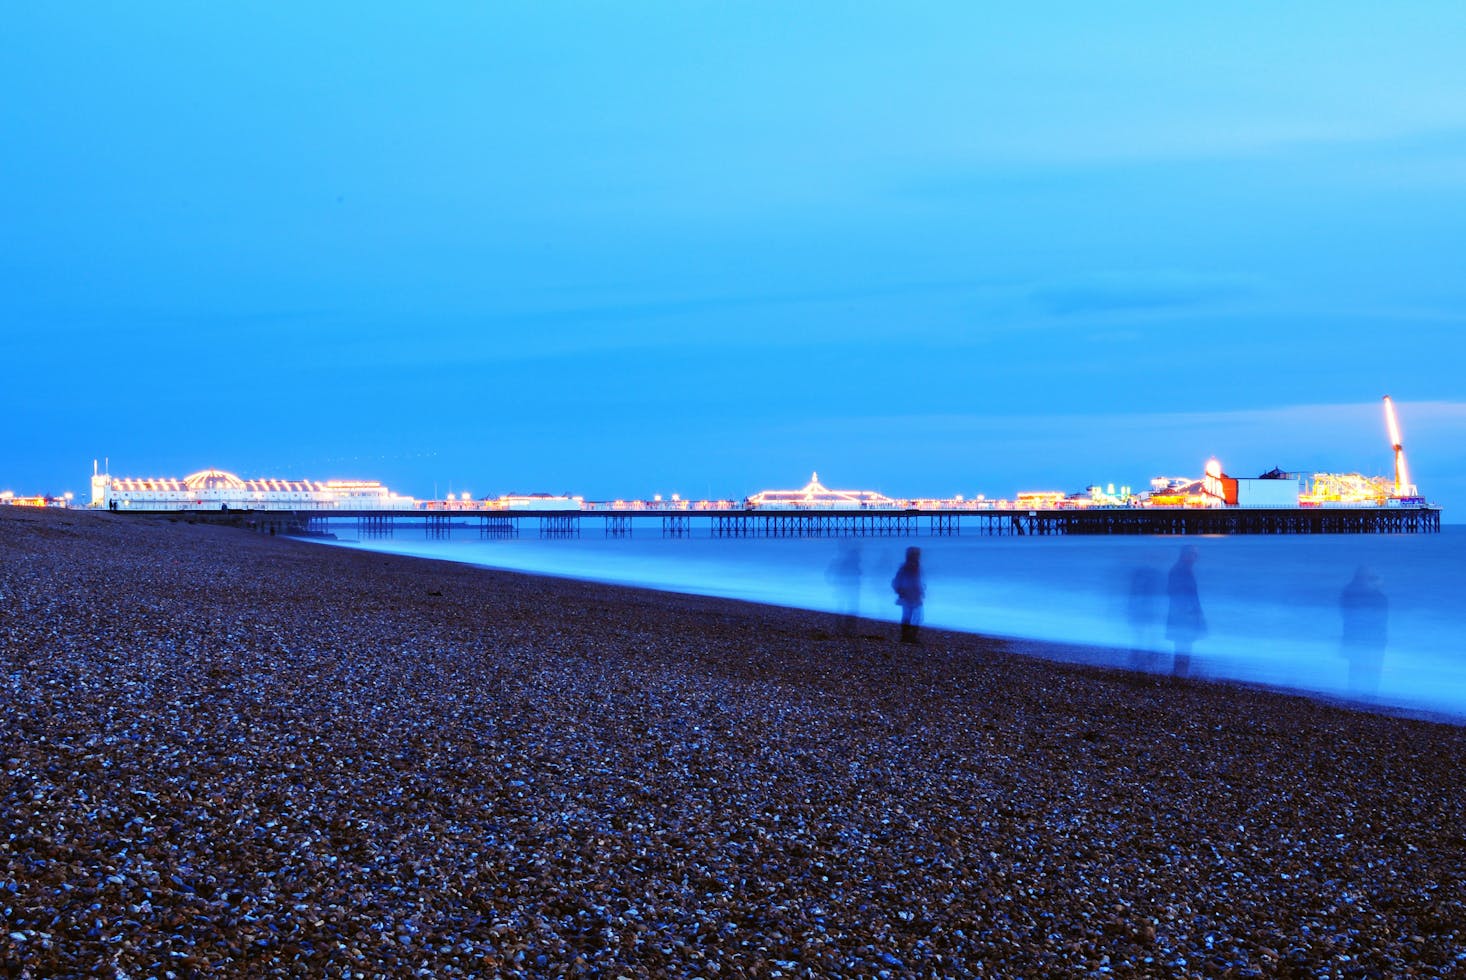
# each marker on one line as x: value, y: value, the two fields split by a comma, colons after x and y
x: 1365, y: 610
x: 843, y: 575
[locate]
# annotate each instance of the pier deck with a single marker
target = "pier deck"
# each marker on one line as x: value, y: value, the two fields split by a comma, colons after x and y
x: 839, y: 523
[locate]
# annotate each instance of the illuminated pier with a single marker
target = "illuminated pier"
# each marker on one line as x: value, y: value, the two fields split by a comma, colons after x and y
x: 1276, y: 502
x: 377, y: 513
x: 1209, y: 508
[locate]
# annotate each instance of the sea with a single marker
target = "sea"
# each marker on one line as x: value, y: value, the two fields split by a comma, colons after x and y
x: 1274, y: 605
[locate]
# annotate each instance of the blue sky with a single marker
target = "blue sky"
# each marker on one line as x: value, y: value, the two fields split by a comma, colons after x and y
x: 620, y: 249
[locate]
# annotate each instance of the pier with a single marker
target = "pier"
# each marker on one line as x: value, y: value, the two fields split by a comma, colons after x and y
x: 1273, y: 503
x: 794, y: 523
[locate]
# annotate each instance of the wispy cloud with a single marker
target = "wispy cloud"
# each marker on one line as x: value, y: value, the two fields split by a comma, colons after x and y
x: 1153, y: 291
x: 1412, y: 413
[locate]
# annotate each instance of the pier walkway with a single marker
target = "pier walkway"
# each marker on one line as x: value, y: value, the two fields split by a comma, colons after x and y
x: 679, y: 523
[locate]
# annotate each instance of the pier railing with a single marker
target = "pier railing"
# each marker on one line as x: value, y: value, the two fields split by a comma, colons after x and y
x: 872, y: 523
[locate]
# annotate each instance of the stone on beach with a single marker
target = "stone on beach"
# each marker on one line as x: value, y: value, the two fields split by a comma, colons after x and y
x: 224, y: 752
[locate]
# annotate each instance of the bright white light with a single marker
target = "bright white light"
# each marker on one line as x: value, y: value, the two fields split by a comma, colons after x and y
x: 1395, y: 441
x: 1402, y: 472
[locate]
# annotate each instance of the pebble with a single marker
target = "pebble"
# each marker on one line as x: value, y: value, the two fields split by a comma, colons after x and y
x: 234, y: 754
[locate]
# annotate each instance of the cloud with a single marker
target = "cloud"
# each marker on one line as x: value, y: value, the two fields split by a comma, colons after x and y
x: 1114, y: 293
x: 1421, y: 414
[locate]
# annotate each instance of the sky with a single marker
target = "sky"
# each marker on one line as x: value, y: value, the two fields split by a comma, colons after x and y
x: 706, y: 248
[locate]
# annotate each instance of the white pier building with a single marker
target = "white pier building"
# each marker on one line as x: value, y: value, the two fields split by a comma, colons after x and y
x: 814, y: 496
x: 218, y: 490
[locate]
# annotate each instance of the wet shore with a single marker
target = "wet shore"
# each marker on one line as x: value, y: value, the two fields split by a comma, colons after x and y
x: 259, y: 757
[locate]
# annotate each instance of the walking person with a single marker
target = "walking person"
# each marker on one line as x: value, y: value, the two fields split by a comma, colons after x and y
x: 1143, y: 613
x: 844, y: 575
x: 1185, y: 623
x: 1365, y: 610
x: 910, y: 593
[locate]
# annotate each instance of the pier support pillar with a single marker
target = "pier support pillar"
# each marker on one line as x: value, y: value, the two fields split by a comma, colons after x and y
x: 374, y: 526
x: 498, y: 527
x: 560, y: 526
x: 945, y: 525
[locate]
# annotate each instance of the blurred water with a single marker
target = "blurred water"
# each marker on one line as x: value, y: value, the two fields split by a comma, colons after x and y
x: 1272, y: 603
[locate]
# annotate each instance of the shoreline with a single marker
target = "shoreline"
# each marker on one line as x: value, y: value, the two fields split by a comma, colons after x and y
x: 1071, y: 652
x: 257, y: 756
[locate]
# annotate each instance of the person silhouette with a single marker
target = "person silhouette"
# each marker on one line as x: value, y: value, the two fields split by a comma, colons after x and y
x: 910, y: 594
x: 1143, y: 613
x: 1365, y: 611
x: 1185, y: 623
x: 843, y: 574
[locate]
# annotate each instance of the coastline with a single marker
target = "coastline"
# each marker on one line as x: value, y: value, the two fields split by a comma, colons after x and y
x: 259, y: 755
x: 1313, y: 669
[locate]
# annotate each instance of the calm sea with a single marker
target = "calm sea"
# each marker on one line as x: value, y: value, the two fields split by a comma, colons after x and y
x: 1272, y: 603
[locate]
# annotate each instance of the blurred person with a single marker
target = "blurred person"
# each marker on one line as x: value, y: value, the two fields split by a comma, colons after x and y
x: 1143, y: 613
x: 910, y: 594
x: 843, y: 574
x: 1365, y: 610
x: 1185, y: 623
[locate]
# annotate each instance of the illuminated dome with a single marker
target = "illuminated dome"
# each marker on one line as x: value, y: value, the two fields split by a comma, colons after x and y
x: 213, y: 480
x: 815, y: 494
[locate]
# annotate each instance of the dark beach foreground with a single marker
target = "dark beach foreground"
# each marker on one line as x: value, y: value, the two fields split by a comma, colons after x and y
x: 251, y: 756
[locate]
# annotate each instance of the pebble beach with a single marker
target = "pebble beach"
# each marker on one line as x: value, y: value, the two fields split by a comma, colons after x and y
x: 235, y: 755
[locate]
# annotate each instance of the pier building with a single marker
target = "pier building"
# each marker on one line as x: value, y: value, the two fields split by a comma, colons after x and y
x: 1272, y: 489
x: 213, y: 489
x: 538, y: 501
x: 814, y: 496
